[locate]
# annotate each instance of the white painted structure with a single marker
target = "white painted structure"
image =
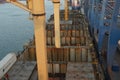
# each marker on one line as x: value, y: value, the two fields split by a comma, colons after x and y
x: 6, y: 63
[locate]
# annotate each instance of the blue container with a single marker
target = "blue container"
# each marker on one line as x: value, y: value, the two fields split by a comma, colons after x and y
x: 115, y: 68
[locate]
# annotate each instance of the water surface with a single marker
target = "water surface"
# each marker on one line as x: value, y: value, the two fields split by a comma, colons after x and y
x: 15, y: 27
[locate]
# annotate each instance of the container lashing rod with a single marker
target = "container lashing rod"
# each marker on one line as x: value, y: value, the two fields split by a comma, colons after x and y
x: 37, y: 8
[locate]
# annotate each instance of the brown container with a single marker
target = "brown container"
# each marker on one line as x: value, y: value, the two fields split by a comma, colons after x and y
x: 54, y: 55
x: 62, y: 33
x: 55, y: 78
x: 89, y: 56
x: 68, y: 41
x: 49, y: 54
x: 81, y: 32
x: 82, y: 41
x: 72, y: 40
x: 84, y: 55
x: 78, y: 55
x: 53, y: 40
x: 66, y: 54
x: 62, y: 27
x: 60, y: 54
x: 63, y: 41
x: 72, y: 54
x: 73, y: 33
x: 77, y: 41
x: 77, y: 33
x: 50, y: 68
x: 56, y: 68
x: 63, y: 68
x: 69, y: 33
x: 49, y: 34
x: 49, y: 40
x: 65, y: 33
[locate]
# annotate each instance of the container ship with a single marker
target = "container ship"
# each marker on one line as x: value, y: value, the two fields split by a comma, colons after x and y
x: 71, y: 45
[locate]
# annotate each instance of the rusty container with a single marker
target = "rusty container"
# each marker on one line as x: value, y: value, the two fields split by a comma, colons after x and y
x: 65, y: 33
x: 77, y: 41
x: 53, y: 40
x: 63, y: 68
x: 62, y: 33
x: 56, y: 68
x: 73, y: 33
x: 69, y: 34
x: 84, y: 55
x: 73, y: 41
x: 50, y: 68
x: 49, y: 33
x: 49, y: 54
x: 63, y: 41
x: 77, y: 33
x: 89, y: 56
x: 68, y: 41
x: 78, y: 55
x: 81, y: 32
x: 54, y: 54
x: 82, y: 41
x: 72, y: 54
x: 66, y: 54
x: 60, y: 54
x: 49, y: 41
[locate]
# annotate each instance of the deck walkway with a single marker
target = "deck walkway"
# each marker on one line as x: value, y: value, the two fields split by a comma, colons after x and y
x: 80, y: 71
x: 21, y: 71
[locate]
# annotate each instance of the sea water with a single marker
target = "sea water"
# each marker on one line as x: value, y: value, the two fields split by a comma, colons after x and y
x: 15, y: 27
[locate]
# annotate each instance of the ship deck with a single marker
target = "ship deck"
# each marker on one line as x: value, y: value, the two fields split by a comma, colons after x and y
x: 77, y: 71
x: 22, y: 71
x: 76, y: 49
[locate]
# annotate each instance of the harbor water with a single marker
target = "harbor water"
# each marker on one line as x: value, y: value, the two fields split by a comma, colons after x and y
x: 15, y: 27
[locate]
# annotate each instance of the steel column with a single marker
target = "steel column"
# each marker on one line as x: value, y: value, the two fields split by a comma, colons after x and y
x: 57, y: 22
x: 66, y: 9
x: 40, y: 38
x: 114, y: 35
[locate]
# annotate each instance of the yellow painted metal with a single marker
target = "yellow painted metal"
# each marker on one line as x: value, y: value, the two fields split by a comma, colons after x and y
x: 40, y: 38
x: 38, y: 7
x: 66, y: 9
x: 57, y: 22
x: 15, y: 2
x: 29, y: 4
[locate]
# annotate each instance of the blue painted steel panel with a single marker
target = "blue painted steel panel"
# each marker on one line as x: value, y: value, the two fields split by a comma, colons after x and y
x: 103, y: 18
x: 114, y: 34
